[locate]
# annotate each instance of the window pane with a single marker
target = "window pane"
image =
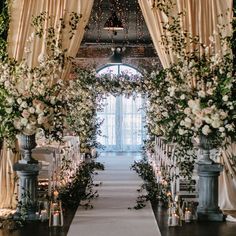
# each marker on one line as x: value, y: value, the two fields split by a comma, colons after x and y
x: 122, y: 128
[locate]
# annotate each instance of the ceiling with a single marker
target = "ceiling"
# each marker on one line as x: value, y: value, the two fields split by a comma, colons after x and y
x: 135, y: 30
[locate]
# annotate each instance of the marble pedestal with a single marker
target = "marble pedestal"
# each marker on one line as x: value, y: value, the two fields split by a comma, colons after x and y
x: 208, y: 209
x: 27, y: 193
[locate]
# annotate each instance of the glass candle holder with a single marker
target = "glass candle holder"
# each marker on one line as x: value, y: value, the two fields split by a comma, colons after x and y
x: 56, y: 214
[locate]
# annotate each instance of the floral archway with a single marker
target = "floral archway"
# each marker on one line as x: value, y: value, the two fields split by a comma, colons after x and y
x: 93, y: 89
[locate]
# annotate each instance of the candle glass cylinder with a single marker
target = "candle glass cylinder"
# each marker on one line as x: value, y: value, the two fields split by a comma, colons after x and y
x: 56, y: 214
x: 188, y: 216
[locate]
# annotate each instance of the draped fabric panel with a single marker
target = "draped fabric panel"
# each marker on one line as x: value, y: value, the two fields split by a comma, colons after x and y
x: 20, y: 30
x: 7, y: 178
x: 227, y: 179
x: 200, y: 19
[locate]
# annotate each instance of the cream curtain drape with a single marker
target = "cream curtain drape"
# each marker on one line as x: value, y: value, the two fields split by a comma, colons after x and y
x: 21, y: 12
x: 200, y: 19
x: 7, y: 177
x: 21, y: 29
x: 227, y: 180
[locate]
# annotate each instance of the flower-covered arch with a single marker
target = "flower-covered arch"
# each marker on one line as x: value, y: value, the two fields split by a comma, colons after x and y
x: 123, y: 127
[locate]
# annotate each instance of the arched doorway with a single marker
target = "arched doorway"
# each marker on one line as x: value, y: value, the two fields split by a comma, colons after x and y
x: 123, y: 118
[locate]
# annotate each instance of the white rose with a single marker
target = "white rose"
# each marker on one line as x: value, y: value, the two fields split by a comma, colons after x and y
x: 25, y: 113
x: 182, y: 97
x: 19, y: 100
x: 53, y: 100
x: 229, y: 127
x: 194, y: 104
x: 206, y: 129
x: 17, y: 123
x: 187, y: 111
x: 222, y: 135
x: 181, y: 132
x: 24, y: 121
x: 24, y: 104
x: 29, y: 129
x: 208, y: 120
x: 222, y: 129
x: 10, y: 100
x: 165, y: 114
x: 32, y: 110
x: 7, y: 84
x: 201, y: 94
x: 209, y: 91
x: 187, y: 122
x: 215, y: 124
x: 198, y: 123
x: 8, y: 110
x: 225, y: 98
x: 41, y: 119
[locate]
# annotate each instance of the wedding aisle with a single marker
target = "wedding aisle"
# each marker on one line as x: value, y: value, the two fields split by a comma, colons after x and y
x: 111, y: 216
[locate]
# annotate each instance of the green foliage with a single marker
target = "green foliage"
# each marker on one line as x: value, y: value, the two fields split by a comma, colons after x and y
x: 196, y: 94
x: 155, y: 191
x: 11, y: 224
x: 80, y: 186
x: 4, y: 25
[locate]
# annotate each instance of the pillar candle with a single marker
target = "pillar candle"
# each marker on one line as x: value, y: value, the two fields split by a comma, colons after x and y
x: 44, y: 215
x: 175, y: 220
x: 56, y: 219
x: 187, y: 216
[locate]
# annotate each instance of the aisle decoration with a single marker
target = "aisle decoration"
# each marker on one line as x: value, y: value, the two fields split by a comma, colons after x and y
x: 34, y: 99
x: 193, y: 104
x: 157, y: 192
x: 194, y: 97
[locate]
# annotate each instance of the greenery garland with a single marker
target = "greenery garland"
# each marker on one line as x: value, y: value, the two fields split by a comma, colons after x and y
x: 4, y: 25
x: 156, y: 192
x: 80, y: 186
x: 88, y: 91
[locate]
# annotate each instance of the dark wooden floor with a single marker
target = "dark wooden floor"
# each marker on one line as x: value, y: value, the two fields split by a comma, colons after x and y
x: 195, y: 228
x: 42, y: 229
x: 191, y: 229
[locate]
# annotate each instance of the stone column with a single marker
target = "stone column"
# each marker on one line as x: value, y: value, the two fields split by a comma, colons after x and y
x: 27, y: 195
x: 208, y: 209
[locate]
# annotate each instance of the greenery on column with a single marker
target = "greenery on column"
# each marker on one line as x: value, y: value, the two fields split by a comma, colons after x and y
x: 233, y: 41
x: 4, y: 25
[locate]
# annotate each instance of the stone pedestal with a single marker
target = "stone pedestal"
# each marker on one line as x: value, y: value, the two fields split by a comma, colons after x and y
x: 27, y: 195
x: 208, y: 209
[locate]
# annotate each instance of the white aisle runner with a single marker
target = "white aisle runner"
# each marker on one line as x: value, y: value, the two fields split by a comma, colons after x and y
x: 111, y: 216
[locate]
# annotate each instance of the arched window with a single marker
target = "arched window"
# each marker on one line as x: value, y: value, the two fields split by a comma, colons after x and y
x: 123, y: 126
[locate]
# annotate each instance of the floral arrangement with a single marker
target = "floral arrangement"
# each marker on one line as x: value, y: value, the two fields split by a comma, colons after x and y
x: 35, y: 98
x: 83, y: 106
x: 196, y: 95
